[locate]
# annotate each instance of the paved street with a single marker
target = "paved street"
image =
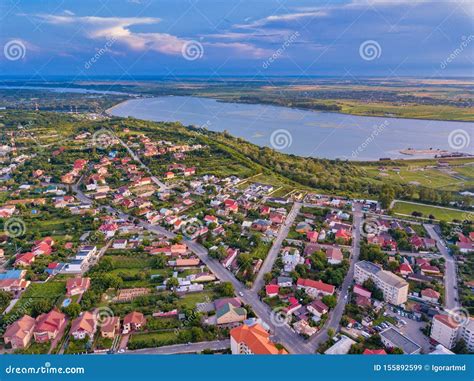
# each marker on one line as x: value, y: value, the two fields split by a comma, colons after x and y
x: 275, y: 249
x: 450, y: 276
x: 336, y: 314
x: 182, y: 348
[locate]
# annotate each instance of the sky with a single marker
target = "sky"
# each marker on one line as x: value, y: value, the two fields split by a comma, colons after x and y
x: 132, y: 38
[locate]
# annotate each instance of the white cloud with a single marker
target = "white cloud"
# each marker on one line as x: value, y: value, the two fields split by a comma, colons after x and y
x: 118, y: 28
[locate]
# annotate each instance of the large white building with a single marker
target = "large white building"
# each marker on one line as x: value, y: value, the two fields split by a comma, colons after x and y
x: 446, y: 331
x: 394, y: 288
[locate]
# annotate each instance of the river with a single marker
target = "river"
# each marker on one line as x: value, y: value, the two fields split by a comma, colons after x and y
x: 304, y: 132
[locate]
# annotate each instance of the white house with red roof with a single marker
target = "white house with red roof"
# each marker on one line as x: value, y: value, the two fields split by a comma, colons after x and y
x: 315, y: 288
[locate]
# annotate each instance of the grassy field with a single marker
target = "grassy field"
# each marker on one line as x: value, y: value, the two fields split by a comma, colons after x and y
x: 439, y: 213
x: 415, y: 173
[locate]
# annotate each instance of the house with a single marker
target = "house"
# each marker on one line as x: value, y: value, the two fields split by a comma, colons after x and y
x: 312, y: 236
x: 20, y: 333
x: 252, y: 339
x: 405, y: 269
x: 318, y: 308
x: 111, y: 327
x: 315, y: 288
x: 302, y: 327
x: 24, y: 259
x: 361, y: 291
x: 231, y: 255
x: 272, y: 290
x: 343, y: 235
x: 108, y: 229
x: 84, y: 326
x: 120, y: 244
x: 6, y: 211
x: 430, y: 270
x: 230, y: 314
x: 430, y: 295
x: 284, y: 281
x: 133, y: 321
x: 77, y: 286
x: 341, y: 347
x: 374, y: 352
x: 334, y: 255
x: 49, y: 325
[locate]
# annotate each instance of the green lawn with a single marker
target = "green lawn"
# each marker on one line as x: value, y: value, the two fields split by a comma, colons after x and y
x: 439, y: 213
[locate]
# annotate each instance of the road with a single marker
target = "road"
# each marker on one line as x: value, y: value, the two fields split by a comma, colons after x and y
x: 450, y: 276
x: 293, y: 342
x: 275, y: 249
x: 137, y: 159
x: 182, y: 348
x: 336, y: 314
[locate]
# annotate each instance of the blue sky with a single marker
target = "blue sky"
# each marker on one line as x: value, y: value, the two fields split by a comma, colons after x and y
x: 229, y: 37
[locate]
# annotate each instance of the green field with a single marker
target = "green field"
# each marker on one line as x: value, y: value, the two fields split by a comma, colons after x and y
x: 440, y: 213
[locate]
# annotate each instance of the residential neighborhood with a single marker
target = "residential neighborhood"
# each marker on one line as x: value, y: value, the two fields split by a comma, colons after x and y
x: 136, y: 247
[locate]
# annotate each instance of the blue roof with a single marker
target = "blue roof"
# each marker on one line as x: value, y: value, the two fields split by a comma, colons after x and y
x: 11, y: 274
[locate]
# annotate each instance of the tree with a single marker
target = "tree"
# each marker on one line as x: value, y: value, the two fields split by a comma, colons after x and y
x: 331, y: 332
x: 72, y: 310
x: 329, y: 300
x: 41, y: 306
x: 171, y: 283
x: 4, y: 299
x: 267, y: 277
x: 225, y: 289
x: 461, y: 348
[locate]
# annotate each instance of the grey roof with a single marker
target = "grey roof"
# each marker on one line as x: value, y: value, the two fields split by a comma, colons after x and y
x: 398, y: 340
x: 368, y: 266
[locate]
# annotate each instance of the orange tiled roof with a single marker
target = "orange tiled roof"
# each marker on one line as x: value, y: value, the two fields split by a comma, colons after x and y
x: 256, y: 339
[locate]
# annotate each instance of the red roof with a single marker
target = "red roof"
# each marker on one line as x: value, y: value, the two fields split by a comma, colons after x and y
x: 405, y: 267
x: 446, y: 320
x: 317, y: 284
x: 374, y: 352
x: 272, y: 289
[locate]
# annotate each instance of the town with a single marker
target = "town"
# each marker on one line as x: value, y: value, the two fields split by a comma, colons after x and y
x: 122, y: 238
